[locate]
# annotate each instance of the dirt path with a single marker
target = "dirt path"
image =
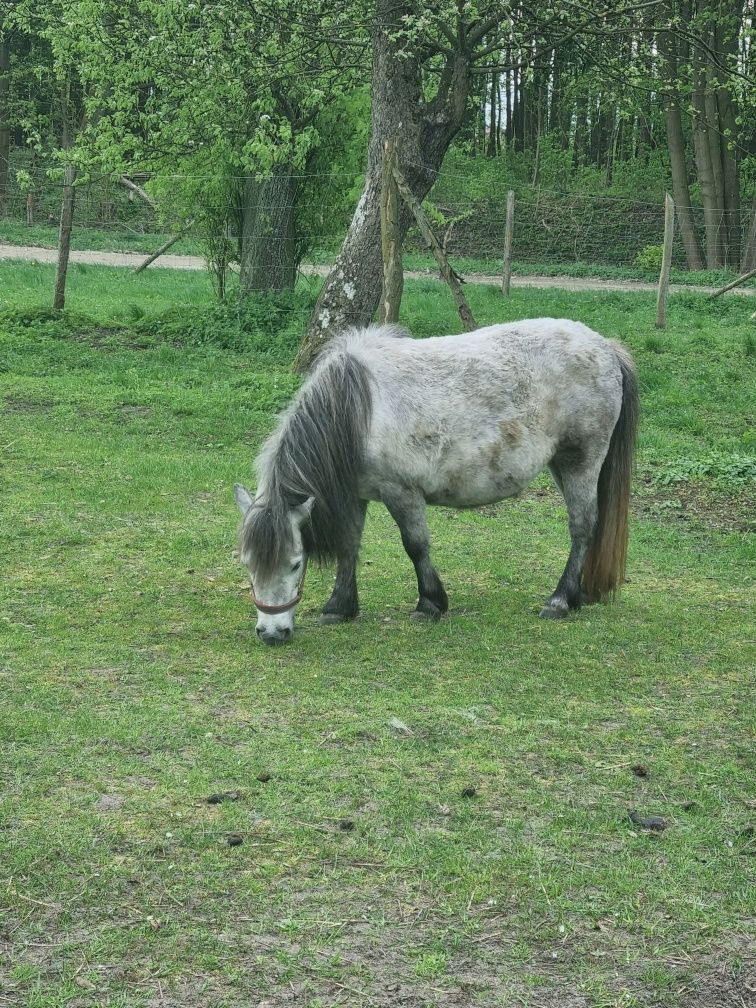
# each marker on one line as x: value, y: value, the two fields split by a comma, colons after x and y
x: 182, y: 262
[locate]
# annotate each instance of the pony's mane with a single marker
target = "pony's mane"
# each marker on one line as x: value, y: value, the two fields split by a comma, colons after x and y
x: 316, y: 451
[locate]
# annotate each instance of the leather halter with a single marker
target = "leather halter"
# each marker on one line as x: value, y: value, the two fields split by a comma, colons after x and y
x: 276, y: 610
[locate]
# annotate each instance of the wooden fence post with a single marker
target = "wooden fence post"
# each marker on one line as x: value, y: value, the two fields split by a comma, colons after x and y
x: 663, y: 290
x: 506, y: 273
x: 164, y: 247
x: 448, y: 274
x: 391, y: 241
x: 734, y: 283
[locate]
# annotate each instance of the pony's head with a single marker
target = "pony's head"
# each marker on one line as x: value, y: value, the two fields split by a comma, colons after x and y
x: 273, y: 551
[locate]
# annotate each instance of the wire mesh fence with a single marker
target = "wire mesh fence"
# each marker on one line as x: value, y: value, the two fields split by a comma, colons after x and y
x: 554, y: 231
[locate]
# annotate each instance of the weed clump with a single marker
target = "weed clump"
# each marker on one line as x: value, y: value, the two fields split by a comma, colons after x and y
x: 269, y: 324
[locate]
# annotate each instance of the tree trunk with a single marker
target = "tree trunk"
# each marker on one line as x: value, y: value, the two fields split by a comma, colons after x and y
x: 713, y: 128
x: 705, y: 170
x: 530, y: 98
x: 595, y: 133
x: 5, y: 133
x: 67, y: 206
x: 555, y: 97
x: 519, y: 110
x: 499, y: 115
x: 611, y: 149
x: 727, y: 46
x: 269, y: 247
x: 560, y: 114
x: 492, y: 148
x: 681, y: 184
x: 646, y: 140
x: 480, y: 122
x: 537, y: 155
x: 676, y: 143
x: 425, y: 129
x: 578, y: 144
x: 730, y: 173
x: 391, y: 245
x: 64, y: 236
x: 508, y: 103
x: 748, y: 261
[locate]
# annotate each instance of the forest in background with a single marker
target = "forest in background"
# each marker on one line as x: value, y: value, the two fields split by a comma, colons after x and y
x: 248, y: 125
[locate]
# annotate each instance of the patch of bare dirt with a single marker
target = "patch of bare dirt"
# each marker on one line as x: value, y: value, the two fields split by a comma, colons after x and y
x: 101, y: 338
x: 343, y: 952
x: 136, y: 412
x: 721, y: 986
x: 680, y: 504
x: 17, y: 404
x: 695, y: 503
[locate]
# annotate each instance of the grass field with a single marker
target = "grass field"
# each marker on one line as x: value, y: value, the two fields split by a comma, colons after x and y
x: 414, y: 814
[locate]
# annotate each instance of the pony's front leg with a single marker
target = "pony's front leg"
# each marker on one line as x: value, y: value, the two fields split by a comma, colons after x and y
x: 343, y: 604
x: 408, y: 511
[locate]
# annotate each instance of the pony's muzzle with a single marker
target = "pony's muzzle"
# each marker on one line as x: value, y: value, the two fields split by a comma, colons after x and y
x: 276, y: 635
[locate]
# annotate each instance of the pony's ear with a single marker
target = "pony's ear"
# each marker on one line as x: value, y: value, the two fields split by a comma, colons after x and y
x: 243, y: 499
x: 305, y: 510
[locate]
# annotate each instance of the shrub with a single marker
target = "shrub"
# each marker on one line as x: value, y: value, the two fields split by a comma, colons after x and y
x: 650, y: 258
x: 269, y: 324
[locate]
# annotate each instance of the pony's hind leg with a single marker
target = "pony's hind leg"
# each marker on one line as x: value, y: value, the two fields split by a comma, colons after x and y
x: 408, y: 511
x: 344, y: 604
x: 579, y: 488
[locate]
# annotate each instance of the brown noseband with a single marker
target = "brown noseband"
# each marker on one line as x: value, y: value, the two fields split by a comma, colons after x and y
x: 276, y: 610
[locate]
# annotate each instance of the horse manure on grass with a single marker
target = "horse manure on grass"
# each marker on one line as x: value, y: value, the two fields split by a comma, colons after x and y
x: 654, y: 823
x: 263, y: 776
x: 223, y: 796
x: 234, y: 839
x: 640, y: 770
x: 469, y: 792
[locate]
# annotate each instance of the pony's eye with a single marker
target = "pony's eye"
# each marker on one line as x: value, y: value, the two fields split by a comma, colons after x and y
x: 296, y: 566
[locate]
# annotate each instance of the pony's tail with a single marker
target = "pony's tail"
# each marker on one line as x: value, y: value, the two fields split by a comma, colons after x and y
x: 604, y: 569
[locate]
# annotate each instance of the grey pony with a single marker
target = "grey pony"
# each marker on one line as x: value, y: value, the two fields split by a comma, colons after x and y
x: 459, y: 421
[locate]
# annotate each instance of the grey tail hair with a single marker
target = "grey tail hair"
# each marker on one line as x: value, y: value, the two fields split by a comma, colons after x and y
x: 318, y: 451
x: 604, y: 569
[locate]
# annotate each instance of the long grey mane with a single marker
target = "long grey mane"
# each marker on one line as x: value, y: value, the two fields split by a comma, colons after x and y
x: 317, y: 451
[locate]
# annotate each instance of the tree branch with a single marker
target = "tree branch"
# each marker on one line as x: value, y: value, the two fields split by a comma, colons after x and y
x: 137, y: 189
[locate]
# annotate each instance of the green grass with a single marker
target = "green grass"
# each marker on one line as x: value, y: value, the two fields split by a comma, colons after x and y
x: 115, y: 239
x: 110, y: 296
x: 132, y: 689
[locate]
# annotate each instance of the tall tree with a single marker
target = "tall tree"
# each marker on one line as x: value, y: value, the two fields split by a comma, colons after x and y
x: 221, y: 89
x: 425, y: 127
x: 424, y: 59
x: 667, y: 45
x: 5, y: 125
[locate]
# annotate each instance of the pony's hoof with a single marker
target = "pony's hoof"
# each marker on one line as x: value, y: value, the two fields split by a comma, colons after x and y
x: 555, y: 611
x: 427, y: 610
x: 329, y: 618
